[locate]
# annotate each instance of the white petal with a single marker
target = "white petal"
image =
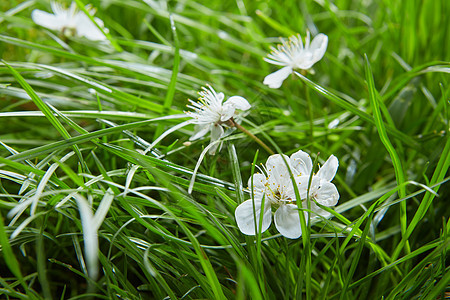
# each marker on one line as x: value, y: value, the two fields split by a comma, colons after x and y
x: 245, y: 218
x: 329, y: 169
x: 277, y: 171
x: 214, y: 148
x: 305, y: 61
x: 303, y: 182
x: 287, y: 221
x: 56, y: 7
x: 199, y: 131
x: 93, y: 34
x: 318, y: 213
x: 301, y: 162
x: 233, y: 103
x: 85, y: 27
x: 327, y: 194
x: 238, y: 102
x: 227, y: 112
x: 73, y: 9
x: 319, y: 46
x: 275, y: 79
x: 220, y: 96
x: 259, y: 181
x: 216, y: 133
x: 46, y: 19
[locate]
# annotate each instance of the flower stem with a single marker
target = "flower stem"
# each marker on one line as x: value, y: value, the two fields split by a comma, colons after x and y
x: 254, y: 137
x: 310, y: 113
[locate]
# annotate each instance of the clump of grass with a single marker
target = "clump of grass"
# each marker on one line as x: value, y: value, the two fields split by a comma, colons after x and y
x: 86, y: 212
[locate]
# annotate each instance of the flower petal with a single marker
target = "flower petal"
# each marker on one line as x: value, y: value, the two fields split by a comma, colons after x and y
x: 275, y: 79
x: 86, y: 28
x: 46, y: 19
x: 259, y: 181
x: 227, y: 112
x: 214, y: 148
x: 216, y: 133
x: 233, y: 103
x: 199, y: 131
x: 287, y: 221
x: 318, y: 213
x: 305, y: 61
x: 277, y: 172
x: 301, y: 162
x: 303, y: 182
x: 329, y: 169
x: 245, y: 218
x: 219, y: 96
x: 319, y: 46
x: 238, y: 102
x: 327, y: 194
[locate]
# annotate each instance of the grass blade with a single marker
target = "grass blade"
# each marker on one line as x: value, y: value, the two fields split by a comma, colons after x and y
x: 398, y: 168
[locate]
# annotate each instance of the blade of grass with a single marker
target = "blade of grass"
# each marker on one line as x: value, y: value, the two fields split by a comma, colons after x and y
x: 356, y: 258
x: 8, y: 255
x: 32, y: 153
x: 254, y: 247
x: 274, y: 24
x: 41, y: 260
x: 43, y: 107
x: 418, y: 268
x: 105, y: 89
x: 161, y: 281
x: 398, y: 168
x: 173, y: 79
x: 363, y: 115
x: 438, y: 175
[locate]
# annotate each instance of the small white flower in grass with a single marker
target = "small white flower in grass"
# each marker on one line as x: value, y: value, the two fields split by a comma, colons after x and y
x: 292, y: 54
x: 70, y: 22
x: 275, y: 189
x: 211, y: 114
x: 321, y: 190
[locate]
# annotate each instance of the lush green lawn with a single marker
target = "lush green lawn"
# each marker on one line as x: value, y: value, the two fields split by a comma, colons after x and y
x: 78, y: 117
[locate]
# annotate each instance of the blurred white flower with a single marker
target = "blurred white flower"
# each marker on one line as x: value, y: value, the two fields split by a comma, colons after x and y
x: 275, y: 189
x: 210, y: 114
x: 292, y: 54
x: 70, y: 22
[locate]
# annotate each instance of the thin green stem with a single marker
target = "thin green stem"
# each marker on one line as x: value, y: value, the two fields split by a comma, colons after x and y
x: 254, y: 137
x: 310, y: 114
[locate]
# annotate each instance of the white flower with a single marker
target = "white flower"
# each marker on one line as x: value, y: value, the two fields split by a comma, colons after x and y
x: 71, y: 21
x: 275, y: 189
x: 292, y: 54
x: 210, y: 114
x: 321, y: 190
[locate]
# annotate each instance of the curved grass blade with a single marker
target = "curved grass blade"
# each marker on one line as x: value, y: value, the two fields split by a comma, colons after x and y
x: 43, y: 107
x: 398, y: 168
x: 363, y: 115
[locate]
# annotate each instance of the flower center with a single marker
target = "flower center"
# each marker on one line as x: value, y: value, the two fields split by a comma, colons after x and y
x: 69, y: 31
x: 277, y: 197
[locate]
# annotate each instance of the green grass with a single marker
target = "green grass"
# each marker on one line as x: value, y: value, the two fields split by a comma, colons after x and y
x: 77, y: 116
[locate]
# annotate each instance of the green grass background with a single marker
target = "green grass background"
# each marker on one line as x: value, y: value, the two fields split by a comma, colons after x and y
x: 379, y: 102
